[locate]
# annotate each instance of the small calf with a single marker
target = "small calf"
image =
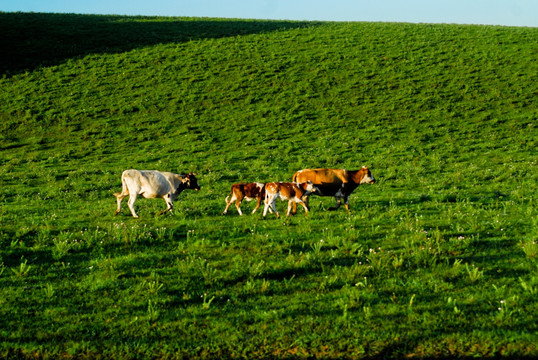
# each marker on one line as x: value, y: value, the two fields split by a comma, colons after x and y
x: 287, y: 191
x: 250, y: 191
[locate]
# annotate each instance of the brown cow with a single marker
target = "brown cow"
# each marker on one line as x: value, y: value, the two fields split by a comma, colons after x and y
x: 248, y: 192
x: 339, y: 183
x: 286, y: 191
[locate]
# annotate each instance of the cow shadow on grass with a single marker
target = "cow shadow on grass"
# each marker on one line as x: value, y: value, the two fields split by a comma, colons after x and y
x: 32, y: 40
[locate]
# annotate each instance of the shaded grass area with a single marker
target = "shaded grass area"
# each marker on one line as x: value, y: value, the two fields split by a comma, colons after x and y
x: 437, y: 259
x: 32, y: 40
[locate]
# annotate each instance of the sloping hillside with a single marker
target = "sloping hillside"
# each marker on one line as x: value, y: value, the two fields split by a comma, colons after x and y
x: 438, y: 258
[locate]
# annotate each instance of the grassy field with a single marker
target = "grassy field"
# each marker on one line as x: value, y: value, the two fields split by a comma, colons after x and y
x: 437, y: 259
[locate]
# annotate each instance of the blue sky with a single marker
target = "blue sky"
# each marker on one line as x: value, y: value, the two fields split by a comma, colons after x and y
x: 491, y: 12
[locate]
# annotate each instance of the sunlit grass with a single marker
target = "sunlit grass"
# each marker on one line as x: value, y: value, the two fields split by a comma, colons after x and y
x: 437, y: 259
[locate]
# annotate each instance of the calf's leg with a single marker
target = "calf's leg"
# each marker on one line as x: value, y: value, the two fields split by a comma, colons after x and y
x: 228, y: 203
x: 270, y: 203
x: 306, y: 197
x: 273, y: 206
x: 302, y: 203
x: 289, y: 208
x: 266, y: 206
x: 238, y: 207
x: 258, y: 201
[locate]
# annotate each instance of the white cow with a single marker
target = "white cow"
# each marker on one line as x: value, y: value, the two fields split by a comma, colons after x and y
x: 153, y: 184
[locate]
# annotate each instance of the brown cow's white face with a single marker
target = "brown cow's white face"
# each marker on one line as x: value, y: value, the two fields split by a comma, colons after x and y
x: 311, y: 188
x: 368, y: 178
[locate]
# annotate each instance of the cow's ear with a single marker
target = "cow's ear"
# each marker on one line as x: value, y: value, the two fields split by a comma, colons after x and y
x: 193, y: 174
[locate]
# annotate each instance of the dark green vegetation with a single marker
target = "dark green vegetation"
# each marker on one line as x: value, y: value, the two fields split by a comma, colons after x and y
x: 437, y: 259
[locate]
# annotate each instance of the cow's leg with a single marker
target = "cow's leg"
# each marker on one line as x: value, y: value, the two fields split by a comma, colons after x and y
x: 238, y: 207
x: 305, y: 205
x: 346, y: 203
x: 338, y: 203
x: 290, y: 202
x: 228, y: 203
x: 265, y: 206
x: 273, y: 205
x: 270, y: 203
x: 132, y: 199
x: 258, y: 202
x: 119, y: 198
x: 270, y: 209
x: 169, y: 204
x: 305, y: 199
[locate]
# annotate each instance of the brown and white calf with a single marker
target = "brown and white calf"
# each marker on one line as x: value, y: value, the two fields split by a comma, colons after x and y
x: 291, y: 192
x: 153, y: 184
x: 250, y: 191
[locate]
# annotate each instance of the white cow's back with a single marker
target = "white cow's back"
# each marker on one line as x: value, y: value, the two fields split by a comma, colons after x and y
x: 148, y: 183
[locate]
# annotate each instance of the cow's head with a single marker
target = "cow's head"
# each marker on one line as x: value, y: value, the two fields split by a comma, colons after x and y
x: 364, y: 176
x: 310, y: 188
x: 191, y: 182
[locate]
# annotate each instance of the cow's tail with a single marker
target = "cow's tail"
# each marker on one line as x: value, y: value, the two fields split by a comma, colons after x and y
x: 227, y: 197
x: 124, y: 190
x: 295, y: 177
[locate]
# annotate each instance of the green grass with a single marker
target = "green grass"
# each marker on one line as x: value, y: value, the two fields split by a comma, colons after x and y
x: 437, y: 259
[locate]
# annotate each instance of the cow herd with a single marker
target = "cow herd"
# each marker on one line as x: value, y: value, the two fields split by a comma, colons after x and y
x: 338, y: 183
